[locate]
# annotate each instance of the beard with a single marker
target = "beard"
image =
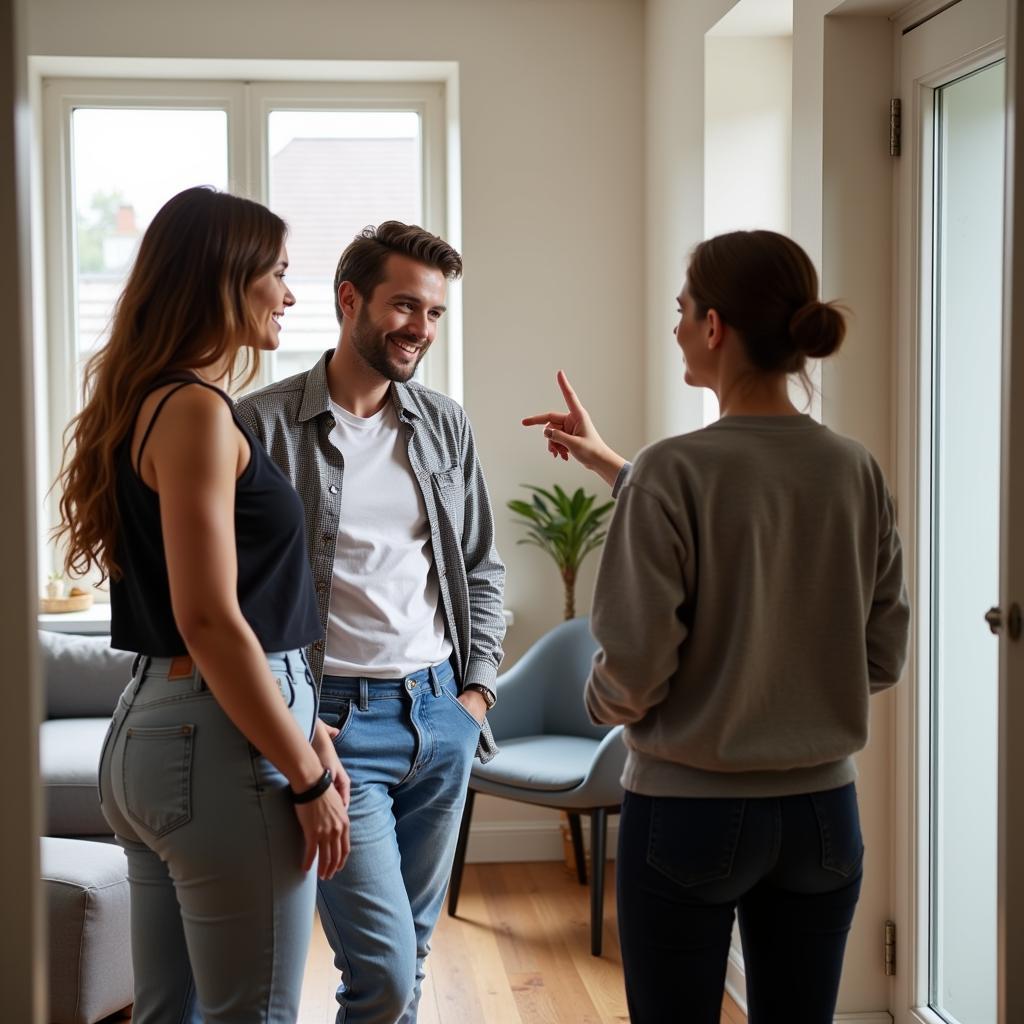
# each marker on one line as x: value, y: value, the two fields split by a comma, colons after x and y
x: 374, y: 347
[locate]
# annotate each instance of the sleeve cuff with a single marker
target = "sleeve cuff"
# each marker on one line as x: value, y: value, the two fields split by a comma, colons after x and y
x: 483, y: 673
x: 620, y: 480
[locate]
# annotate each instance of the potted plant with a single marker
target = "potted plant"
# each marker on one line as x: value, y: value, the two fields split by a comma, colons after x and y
x: 55, y: 584
x: 567, y: 528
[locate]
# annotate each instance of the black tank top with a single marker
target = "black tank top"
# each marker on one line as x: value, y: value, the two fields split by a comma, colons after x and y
x: 275, y: 585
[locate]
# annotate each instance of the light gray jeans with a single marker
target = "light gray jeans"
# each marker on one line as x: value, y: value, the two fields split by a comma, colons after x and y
x: 221, y: 910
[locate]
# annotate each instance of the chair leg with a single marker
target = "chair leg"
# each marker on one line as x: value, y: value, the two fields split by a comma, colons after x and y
x: 577, y: 847
x: 598, y: 835
x: 455, y: 883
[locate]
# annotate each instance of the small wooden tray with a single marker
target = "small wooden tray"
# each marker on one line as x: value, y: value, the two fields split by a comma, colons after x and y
x: 78, y: 603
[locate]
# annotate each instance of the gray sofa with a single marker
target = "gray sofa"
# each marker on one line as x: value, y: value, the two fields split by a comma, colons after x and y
x: 83, y: 678
x: 86, y: 882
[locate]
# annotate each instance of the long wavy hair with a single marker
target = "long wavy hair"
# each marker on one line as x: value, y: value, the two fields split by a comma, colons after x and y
x: 184, y: 307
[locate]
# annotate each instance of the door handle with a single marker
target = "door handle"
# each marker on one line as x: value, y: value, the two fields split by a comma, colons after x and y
x: 994, y: 618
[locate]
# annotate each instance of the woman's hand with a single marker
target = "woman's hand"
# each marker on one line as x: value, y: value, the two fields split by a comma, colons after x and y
x: 324, y: 823
x: 573, y: 433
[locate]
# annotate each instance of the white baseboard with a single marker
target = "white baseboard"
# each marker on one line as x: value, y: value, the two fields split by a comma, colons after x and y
x: 736, y: 979
x: 736, y: 986
x: 492, y: 842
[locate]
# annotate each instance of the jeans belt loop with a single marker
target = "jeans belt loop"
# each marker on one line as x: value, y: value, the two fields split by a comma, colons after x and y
x: 364, y: 695
x: 139, y: 666
x: 435, y: 681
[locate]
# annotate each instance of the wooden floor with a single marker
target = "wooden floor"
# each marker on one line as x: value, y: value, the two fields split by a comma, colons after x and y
x: 519, y: 953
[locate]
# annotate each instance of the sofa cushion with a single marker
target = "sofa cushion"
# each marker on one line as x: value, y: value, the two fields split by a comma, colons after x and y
x: 82, y: 675
x: 545, y: 763
x: 69, y: 759
x: 90, y: 963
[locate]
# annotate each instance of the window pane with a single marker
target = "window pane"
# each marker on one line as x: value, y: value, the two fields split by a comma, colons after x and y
x: 126, y: 163
x: 966, y: 366
x: 331, y: 174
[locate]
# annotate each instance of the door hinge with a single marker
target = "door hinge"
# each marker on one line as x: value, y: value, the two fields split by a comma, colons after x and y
x: 890, y: 948
x: 895, y: 130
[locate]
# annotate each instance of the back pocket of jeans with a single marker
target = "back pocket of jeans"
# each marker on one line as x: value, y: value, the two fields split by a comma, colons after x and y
x: 693, y: 840
x: 842, y: 846
x: 157, y: 777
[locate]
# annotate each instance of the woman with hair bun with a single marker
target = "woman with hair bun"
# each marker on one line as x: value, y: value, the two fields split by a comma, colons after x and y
x: 750, y: 600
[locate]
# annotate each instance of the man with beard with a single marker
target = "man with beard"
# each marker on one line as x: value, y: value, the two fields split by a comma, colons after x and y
x: 409, y: 585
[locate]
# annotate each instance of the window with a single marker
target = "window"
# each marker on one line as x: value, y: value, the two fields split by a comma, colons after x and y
x: 330, y: 159
x: 329, y: 174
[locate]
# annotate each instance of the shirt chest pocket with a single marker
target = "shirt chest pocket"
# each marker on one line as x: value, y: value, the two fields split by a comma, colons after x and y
x: 450, y: 491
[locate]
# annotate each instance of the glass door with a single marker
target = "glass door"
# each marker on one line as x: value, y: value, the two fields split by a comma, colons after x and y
x: 952, y: 84
x: 963, y: 556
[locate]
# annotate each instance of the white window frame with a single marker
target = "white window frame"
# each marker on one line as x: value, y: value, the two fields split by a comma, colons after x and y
x: 426, y: 100
x: 247, y: 91
x: 60, y: 98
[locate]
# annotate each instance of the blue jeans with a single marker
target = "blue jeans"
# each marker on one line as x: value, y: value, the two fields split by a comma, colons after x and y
x: 790, y: 865
x: 407, y: 745
x: 220, y: 906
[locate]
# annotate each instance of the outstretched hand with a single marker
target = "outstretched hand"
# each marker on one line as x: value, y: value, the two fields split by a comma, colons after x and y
x: 573, y: 433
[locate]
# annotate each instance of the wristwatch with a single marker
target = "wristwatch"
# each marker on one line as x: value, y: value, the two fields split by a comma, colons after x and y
x: 489, y: 696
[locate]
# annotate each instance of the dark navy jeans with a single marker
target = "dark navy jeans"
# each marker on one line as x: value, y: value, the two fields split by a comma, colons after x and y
x: 790, y: 866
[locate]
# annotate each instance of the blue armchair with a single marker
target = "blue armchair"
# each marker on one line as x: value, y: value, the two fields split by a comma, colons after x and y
x: 552, y: 755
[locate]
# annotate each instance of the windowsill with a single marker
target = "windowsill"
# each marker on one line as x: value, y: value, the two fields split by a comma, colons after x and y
x: 95, y: 621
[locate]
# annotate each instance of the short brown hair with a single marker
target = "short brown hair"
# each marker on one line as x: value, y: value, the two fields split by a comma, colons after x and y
x: 362, y: 262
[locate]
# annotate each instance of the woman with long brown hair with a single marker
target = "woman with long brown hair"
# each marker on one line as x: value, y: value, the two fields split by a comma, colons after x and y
x: 750, y: 600
x: 215, y: 776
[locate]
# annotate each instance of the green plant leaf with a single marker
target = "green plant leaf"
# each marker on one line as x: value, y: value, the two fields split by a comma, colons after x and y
x: 520, y: 507
x: 567, y: 528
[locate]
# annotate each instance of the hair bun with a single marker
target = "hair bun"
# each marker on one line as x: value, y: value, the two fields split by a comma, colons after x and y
x: 817, y: 329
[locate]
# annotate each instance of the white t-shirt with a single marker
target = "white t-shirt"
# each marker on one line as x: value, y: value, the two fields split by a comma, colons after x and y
x: 385, y: 616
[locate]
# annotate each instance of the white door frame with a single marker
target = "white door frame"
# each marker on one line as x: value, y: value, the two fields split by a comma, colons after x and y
x: 1010, y: 934
x: 912, y: 302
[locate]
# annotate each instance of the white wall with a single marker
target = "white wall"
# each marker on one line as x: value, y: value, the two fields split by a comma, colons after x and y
x: 748, y: 105
x: 675, y: 196
x: 552, y: 141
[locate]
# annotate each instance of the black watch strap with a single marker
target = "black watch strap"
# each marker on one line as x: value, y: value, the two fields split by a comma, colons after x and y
x: 489, y: 696
x: 317, y: 789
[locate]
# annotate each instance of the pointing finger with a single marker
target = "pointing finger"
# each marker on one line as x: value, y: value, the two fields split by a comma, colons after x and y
x: 546, y: 417
x: 571, y: 399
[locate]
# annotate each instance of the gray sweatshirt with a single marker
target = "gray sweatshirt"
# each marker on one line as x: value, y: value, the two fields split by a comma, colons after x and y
x: 750, y: 599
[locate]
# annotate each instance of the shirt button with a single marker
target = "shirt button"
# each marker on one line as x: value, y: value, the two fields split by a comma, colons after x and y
x: 328, y: 538
x: 321, y: 587
x: 319, y: 645
x: 333, y: 488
